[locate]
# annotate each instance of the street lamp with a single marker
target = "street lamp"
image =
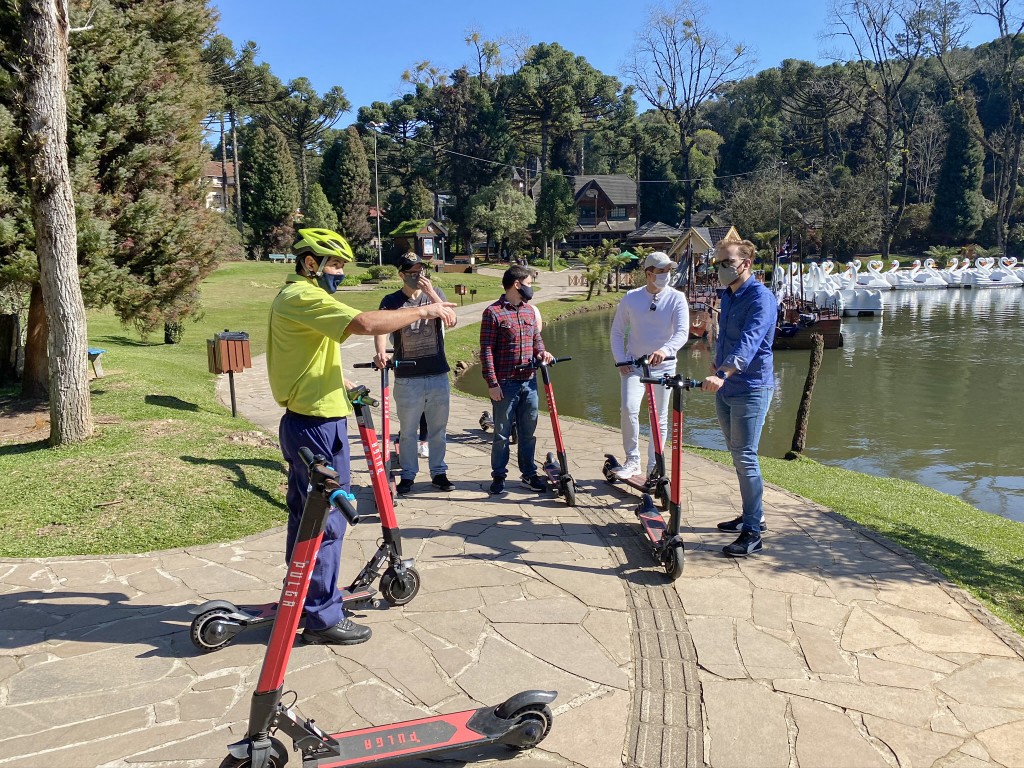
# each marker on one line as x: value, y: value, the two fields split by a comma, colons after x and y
x: 376, y: 191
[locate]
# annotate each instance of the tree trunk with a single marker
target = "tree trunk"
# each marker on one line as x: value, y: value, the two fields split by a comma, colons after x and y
x: 45, y: 25
x: 238, y: 171
x: 35, y: 380
x: 804, y: 411
x: 304, y: 191
x: 223, y: 167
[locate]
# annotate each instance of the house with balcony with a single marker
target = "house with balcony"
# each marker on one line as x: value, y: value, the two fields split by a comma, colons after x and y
x: 606, y: 208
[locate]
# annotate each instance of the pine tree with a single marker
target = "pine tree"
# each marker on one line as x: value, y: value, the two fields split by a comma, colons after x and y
x: 345, y: 178
x: 319, y: 212
x: 556, y: 208
x: 271, y: 194
x: 959, y: 208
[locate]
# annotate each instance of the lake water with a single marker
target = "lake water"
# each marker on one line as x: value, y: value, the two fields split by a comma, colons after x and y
x: 929, y: 392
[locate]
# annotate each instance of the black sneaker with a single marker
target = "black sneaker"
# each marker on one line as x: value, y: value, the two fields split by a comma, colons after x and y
x: 441, y: 481
x: 345, y: 632
x: 497, y: 486
x: 732, y: 526
x: 404, y: 487
x: 535, y: 483
x: 747, y: 544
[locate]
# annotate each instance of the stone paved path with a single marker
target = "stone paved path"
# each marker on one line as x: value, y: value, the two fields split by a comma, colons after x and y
x: 829, y: 649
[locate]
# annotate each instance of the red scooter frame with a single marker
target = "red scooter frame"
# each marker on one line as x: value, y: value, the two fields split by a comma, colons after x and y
x: 556, y: 468
x: 666, y: 543
x: 520, y: 722
x: 655, y: 483
x: 218, y: 622
x: 385, y: 414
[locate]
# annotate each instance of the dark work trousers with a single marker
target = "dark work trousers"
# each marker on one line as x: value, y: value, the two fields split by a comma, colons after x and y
x: 328, y: 437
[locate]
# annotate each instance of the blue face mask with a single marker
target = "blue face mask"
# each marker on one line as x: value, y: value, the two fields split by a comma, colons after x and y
x: 330, y: 283
x: 526, y: 292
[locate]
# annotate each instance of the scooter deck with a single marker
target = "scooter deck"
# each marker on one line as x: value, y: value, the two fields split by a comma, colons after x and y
x: 389, y: 743
x: 653, y: 523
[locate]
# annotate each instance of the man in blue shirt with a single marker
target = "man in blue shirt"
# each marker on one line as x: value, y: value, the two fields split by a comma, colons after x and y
x: 744, y: 380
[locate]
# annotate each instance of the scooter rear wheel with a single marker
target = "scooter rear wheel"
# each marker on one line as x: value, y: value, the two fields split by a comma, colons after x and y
x: 204, y: 636
x: 278, y: 758
x: 399, y: 590
x: 538, y: 714
x: 672, y: 560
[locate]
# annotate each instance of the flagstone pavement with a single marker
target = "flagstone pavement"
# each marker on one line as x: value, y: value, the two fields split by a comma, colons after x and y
x: 831, y: 648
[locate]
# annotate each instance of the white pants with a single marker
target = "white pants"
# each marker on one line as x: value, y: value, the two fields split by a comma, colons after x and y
x: 632, y: 396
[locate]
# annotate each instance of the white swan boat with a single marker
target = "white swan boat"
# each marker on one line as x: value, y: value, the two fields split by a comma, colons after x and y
x: 919, y: 278
x: 987, y: 274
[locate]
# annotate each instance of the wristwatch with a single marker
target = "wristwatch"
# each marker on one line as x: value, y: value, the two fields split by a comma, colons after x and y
x: 721, y: 374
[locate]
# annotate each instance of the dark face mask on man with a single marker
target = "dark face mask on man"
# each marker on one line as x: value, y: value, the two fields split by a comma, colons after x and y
x: 330, y: 283
x: 411, y: 279
x: 526, y: 292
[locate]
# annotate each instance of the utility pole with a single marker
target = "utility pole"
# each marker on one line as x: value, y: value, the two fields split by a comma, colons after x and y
x: 376, y: 192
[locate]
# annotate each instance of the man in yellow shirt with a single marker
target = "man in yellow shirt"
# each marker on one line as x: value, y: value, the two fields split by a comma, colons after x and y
x: 307, y: 324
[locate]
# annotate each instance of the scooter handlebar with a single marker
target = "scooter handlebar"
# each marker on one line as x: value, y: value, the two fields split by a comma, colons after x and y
x: 538, y: 364
x: 672, y: 381
x: 642, y: 361
x: 392, y: 364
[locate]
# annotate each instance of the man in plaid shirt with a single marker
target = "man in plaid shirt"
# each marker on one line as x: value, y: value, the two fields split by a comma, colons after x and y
x: 510, y: 336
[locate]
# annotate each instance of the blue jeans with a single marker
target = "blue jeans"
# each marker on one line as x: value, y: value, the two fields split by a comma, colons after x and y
x: 418, y: 396
x: 328, y: 437
x: 741, y: 417
x: 518, y: 404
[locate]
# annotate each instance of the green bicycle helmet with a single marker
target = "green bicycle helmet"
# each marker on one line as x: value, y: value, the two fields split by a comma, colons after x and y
x: 322, y: 244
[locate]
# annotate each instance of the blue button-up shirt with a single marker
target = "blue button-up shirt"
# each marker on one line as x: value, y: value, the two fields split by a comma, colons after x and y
x: 746, y: 330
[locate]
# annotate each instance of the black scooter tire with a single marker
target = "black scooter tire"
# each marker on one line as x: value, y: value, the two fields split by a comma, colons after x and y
x: 539, y: 713
x: 606, y: 470
x: 399, y: 590
x: 663, y: 497
x: 198, y: 631
x: 278, y: 758
x: 672, y: 560
x: 569, y: 492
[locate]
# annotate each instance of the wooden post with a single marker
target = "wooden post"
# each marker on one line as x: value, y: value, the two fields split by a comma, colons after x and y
x: 804, y: 411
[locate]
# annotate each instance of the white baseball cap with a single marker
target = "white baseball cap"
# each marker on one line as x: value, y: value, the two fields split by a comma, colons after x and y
x: 658, y: 260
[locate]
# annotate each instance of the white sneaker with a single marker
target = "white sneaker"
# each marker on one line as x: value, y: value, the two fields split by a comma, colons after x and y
x: 423, y: 451
x: 627, y: 471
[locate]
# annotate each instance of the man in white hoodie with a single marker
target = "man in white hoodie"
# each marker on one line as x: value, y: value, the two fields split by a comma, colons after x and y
x: 655, y: 321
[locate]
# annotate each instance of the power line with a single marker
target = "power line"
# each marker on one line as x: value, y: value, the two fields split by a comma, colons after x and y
x: 542, y: 173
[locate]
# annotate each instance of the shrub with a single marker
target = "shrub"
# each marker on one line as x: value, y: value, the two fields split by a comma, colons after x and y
x: 365, y: 254
x: 382, y: 272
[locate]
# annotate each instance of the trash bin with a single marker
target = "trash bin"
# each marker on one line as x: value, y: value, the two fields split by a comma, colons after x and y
x: 228, y: 352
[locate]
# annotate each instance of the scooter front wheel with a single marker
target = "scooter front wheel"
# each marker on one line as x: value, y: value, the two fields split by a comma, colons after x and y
x: 569, y: 491
x: 606, y: 470
x: 533, y: 723
x: 399, y: 590
x: 663, y: 497
x: 206, y: 635
x: 277, y: 759
x: 672, y: 560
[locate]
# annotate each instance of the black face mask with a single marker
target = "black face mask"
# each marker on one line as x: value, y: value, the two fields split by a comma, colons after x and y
x: 525, y: 291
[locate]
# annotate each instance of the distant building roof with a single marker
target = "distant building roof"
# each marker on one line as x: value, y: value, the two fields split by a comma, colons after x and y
x: 619, y: 188
x: 212, y: 170
x: 655, y: 230
x: 415, y: 226
x: 621, y: 227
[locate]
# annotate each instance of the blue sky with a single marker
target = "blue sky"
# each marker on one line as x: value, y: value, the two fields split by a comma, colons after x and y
x: 365, y: 46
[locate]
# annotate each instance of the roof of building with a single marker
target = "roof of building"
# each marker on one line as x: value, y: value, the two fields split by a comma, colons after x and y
x: 414, y: 226
x: 619, y: 188
x: 621, y: 227
x: 702, y: 239
x: 212, y: 170
x: 655, y: 230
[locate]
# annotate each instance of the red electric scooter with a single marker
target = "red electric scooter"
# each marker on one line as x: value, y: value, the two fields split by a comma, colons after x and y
x: 218, y: 622
x: 520, y: 722
x: 655, y: 483
x: 666, y: 543
x: 385, y: 414
x: 556, y: 468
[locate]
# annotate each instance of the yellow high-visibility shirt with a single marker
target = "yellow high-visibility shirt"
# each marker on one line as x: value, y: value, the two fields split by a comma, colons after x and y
x: 307, y: 324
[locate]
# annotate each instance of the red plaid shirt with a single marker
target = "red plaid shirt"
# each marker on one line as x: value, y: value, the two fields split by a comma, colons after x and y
x: 508, y: 337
